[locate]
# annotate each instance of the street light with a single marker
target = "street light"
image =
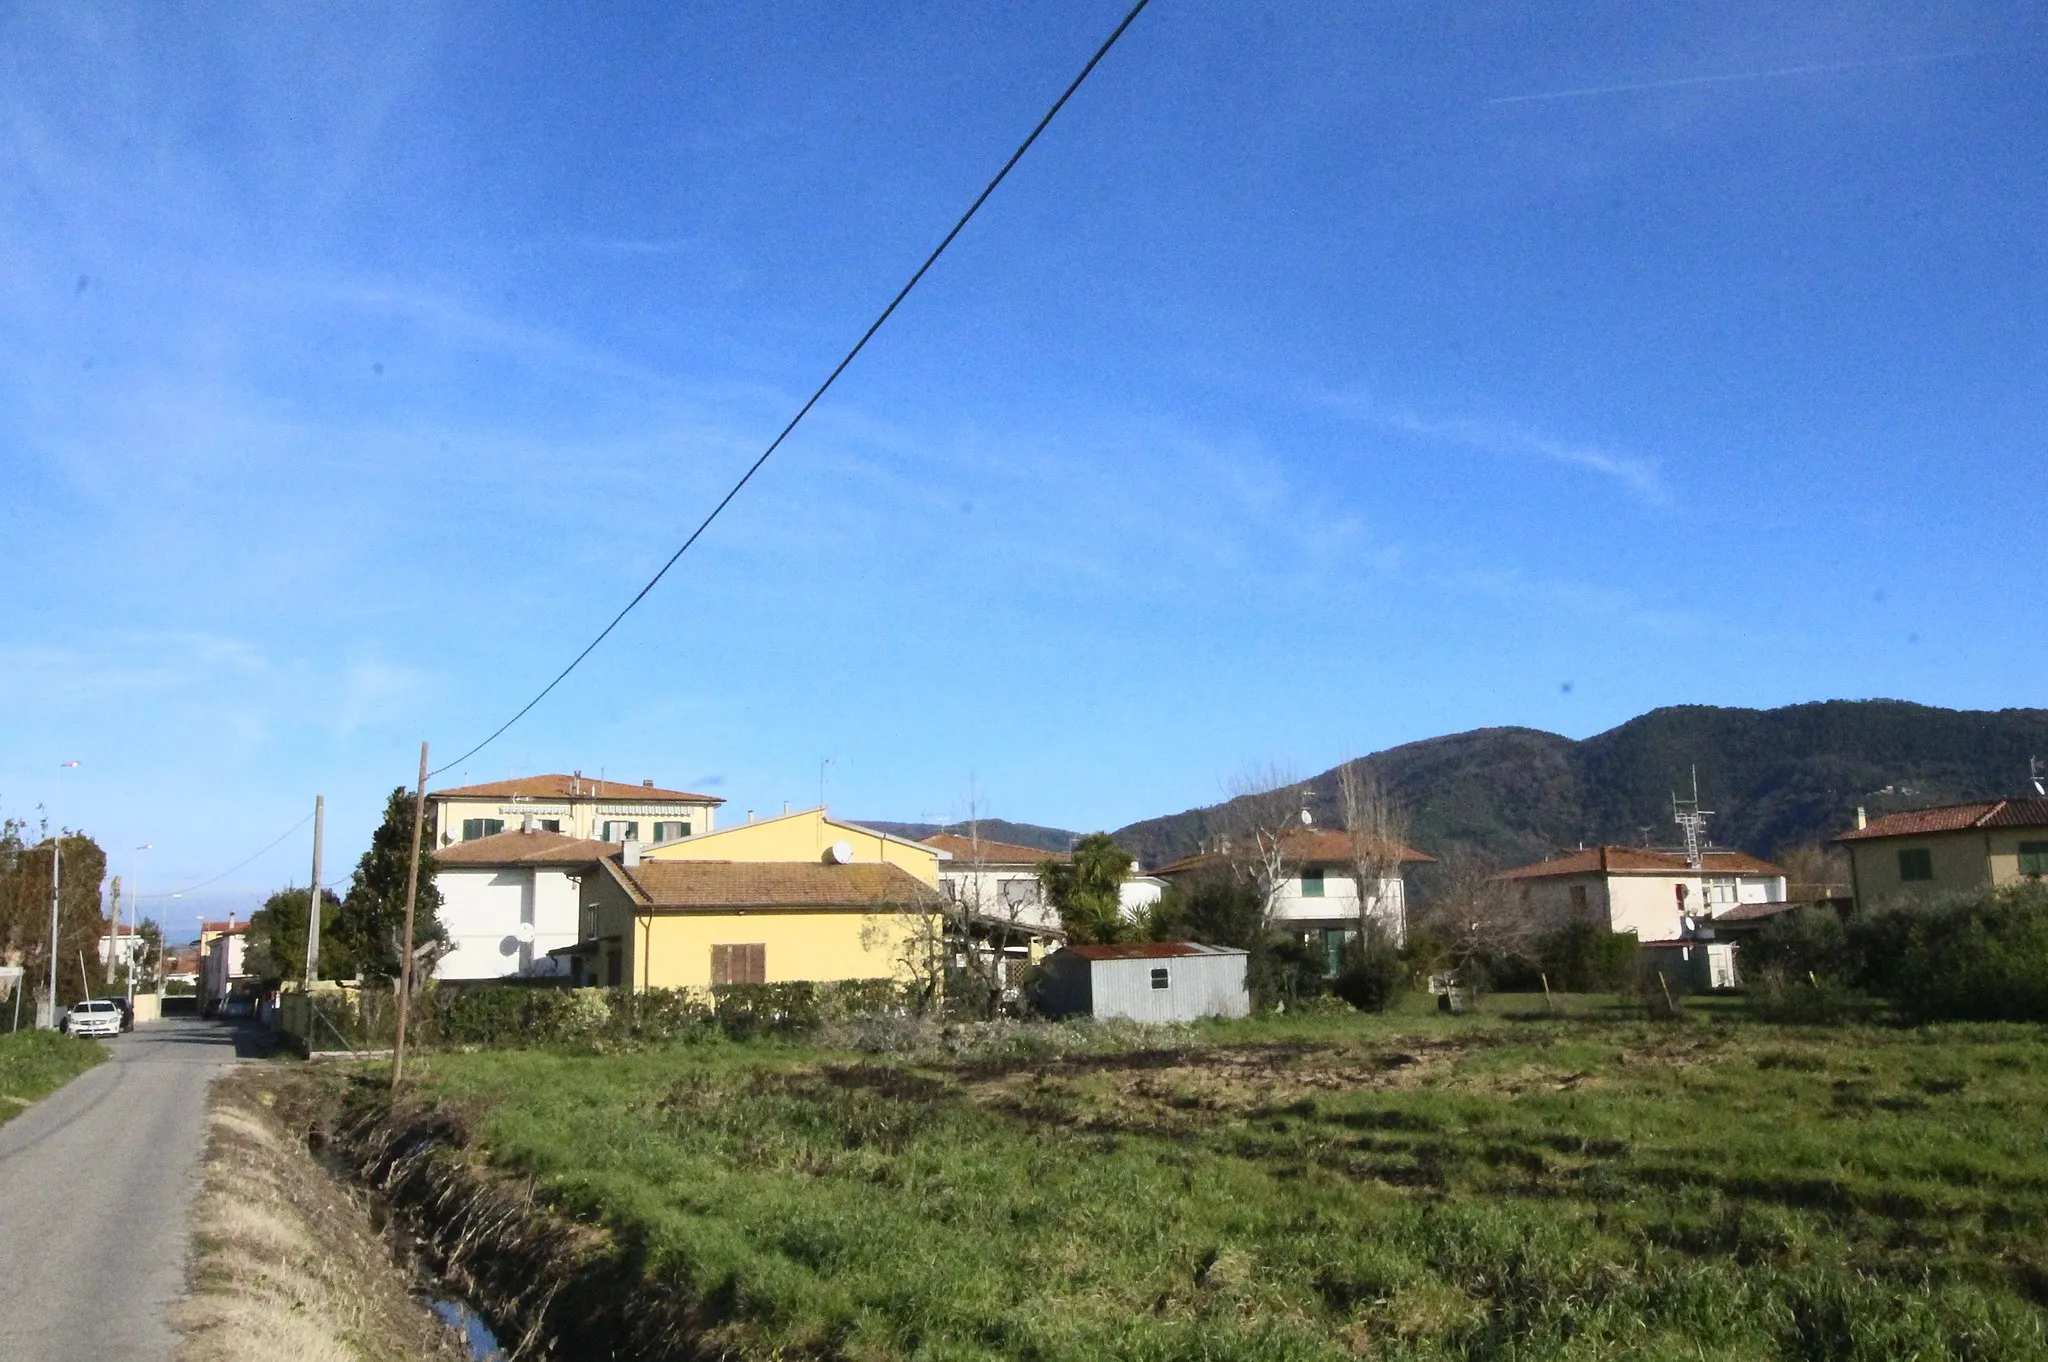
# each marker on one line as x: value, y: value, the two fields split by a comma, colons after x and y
x: 56, y: 855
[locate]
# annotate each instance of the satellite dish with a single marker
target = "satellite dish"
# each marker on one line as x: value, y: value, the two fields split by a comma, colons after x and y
x: 840, y: 853
x: 524, y: 931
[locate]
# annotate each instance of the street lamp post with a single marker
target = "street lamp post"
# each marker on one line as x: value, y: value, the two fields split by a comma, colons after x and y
x: 56, y: 857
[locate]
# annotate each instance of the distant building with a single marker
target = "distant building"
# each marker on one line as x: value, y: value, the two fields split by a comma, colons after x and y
x: 509, y: 899
x: 1149, y: 981
x: 999, y: 882
x: 120, y: 941
x: 221, y: 947
x: 1654, y: 894
x: 574, y: 805
x: 1319, y: 900
x: 1955, y: 847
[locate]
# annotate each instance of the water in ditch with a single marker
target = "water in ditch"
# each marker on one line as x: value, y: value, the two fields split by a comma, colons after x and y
x: 476, y: 1335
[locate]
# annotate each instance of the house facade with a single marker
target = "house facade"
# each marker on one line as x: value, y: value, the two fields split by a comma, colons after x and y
x: 509, y: 899
x: 807, y: 836
x: 572, y: 805
x: 1916, y: 856
x: 1318, y: 897
x: 700, y: 923
x: 1636, y: 889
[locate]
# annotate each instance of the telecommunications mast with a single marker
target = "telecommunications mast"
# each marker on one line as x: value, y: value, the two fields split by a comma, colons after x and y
x: 1692, y: 820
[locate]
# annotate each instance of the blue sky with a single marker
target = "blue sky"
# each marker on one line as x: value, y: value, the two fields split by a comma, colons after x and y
x: 1311, y: 388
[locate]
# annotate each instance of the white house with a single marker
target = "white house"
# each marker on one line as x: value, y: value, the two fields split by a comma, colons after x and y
x: 574, y: 805
x: 1318, y: 897
x: 1650, y: 893
x: 999, y: 882
x: 509, y: 899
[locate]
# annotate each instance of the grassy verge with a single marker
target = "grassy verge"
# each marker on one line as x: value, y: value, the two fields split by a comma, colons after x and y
x: 285, y: 1264
x: 1479, y: 1187
x: 34, y: 1064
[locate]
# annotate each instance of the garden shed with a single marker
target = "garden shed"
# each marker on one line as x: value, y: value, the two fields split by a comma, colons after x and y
x: 1144, y: 981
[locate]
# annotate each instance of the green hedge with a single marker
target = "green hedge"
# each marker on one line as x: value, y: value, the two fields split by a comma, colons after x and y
x: 514, y: 1016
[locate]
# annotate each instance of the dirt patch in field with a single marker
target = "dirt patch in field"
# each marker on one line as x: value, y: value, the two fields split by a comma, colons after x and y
x: 286, y: 1262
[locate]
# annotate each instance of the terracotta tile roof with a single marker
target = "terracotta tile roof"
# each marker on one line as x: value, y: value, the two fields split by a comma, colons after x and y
x: 573, y: 787
x: 964, y: 851
x: 1147, y: 950
x: 1317, y: 846
x: 1610, y: 860
x: 1988, y: 813
x: 539, y: 847
x: 1757, y: 912
x: 775, y: 884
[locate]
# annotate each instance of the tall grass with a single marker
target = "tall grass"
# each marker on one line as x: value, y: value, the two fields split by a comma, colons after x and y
x: 34, y: 1064
x: 1321, y: 1187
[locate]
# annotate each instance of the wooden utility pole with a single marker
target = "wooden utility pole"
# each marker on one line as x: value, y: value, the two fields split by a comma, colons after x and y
x: 313, y: 906
x: 412, y: 891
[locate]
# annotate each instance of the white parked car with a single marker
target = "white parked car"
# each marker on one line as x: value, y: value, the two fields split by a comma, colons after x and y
x: 94, y: 1017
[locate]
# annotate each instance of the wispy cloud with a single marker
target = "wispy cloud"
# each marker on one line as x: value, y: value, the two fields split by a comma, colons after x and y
x: 1509, y: 440
x: 1686, y: 82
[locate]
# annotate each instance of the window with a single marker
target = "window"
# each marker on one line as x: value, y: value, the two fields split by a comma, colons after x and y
x: 1159, y: 978
x: 2034, y: 859
x: 1916, y: 863
x: 549, y: 824
x: 473, y: 828
x: 619, y: 830
x: 1335, y: 939
x: 671, y: 832
x: 613, y: 974
x: 1579, y: 899
x: 746, y: 964
x: 1019, y: 893
x: 1312, y: 883
x: 1718, y: 889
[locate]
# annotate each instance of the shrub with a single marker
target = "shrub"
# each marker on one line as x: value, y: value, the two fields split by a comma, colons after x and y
x: 1585, y: 957
x: 1983, y: 958
x: 1373, y: 973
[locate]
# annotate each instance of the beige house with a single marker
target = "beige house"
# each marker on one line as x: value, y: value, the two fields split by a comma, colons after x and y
x: 1650, y: 893
x: 805, y: 836
x: 1902, y: 857
x: 575, y: 806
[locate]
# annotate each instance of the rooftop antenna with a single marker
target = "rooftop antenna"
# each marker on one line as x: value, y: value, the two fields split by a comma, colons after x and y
x: 2035, y: 774
x: 1692, y: 820
x: 822, y: 764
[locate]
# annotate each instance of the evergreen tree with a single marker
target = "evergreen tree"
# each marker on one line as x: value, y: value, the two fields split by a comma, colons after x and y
x: 371, y: 923
x: 1086, y: 890
x: 276, y: 943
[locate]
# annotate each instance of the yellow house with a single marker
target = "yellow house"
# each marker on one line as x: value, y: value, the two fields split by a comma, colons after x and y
x: 1929, y: 852
x: 806, y: 836
x: 684, y: 922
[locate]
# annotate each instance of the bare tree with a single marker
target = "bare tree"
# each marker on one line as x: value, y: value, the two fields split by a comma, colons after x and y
x: 1265, y: 813
x: 1479, y: 917
x: 1377, y: 827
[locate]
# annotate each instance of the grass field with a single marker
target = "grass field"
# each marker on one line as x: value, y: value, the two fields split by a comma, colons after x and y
x: 1478, y: 1187
x: 34, y: 1064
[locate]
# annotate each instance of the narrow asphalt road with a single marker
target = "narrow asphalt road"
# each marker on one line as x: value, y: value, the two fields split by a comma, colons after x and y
x: 95, y: 1184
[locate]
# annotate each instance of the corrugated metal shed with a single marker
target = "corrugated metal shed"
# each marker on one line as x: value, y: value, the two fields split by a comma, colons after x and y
x: 1145, y: 981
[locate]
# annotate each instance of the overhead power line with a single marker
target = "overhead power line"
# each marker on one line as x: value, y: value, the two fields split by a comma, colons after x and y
x: 177, y: 893
x: 830, y: 379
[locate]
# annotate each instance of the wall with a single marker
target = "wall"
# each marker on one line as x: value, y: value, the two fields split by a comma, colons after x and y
x: 802, y: 836
x: 1339, y: 898
x: 1961, y: 862
x: 982, y: 891
x: 1198, y: 986
x: 1648, y: 904
x: 481, y: 910
x: 817, y: 946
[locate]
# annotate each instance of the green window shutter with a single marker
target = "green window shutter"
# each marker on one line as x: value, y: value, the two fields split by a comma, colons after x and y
x: 2034, y: 858
x: 1312, y: 884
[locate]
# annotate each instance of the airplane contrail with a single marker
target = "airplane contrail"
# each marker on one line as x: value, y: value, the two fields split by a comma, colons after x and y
x: 1811, y: 68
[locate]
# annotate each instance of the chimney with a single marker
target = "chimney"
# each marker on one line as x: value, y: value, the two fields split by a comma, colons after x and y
x: 1861, y: 821
x: 750, y: 815
x: 785, y: 806
x: 648, y: 784
x: 526, y: 823
x: 629, y: 852
x: 576, y: 784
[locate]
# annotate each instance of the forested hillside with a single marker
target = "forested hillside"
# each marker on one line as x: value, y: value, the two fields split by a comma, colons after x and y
x: 1775, y: 778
